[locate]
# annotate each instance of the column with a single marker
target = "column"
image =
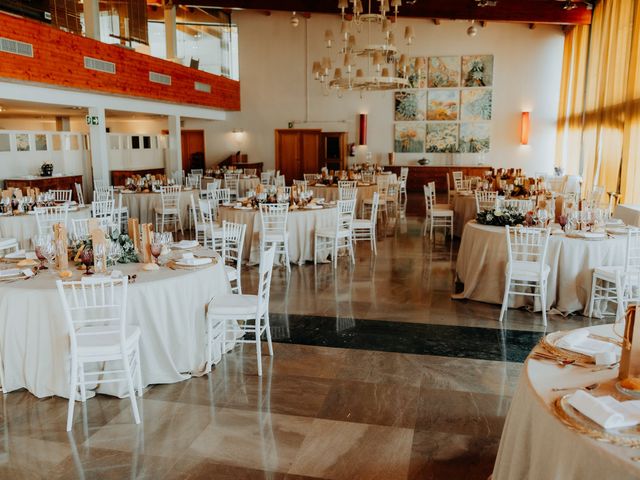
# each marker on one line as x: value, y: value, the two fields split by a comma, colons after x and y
x: 92, y: 18
x: 170, y: 31
x: 99, y: 147
x: 174, y: 149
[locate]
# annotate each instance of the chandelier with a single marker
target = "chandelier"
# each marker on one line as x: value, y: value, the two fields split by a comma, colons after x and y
x: 367, y: 53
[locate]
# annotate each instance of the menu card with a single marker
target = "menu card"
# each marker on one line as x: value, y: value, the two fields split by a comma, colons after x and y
x: 61, y: 245
x: 147, y: 232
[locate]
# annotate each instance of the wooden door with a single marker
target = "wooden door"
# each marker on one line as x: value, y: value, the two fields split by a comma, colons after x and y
x: 297, y: 152
x: 192, y: 149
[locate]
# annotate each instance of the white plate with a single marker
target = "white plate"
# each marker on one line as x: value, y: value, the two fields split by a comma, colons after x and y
x: 10, y: 273
x: 227, y: 204
x: 185, y: 244
x: 313, y: 207
x: 194, y: 262
x: 243, y: 208
x: 31, y: 213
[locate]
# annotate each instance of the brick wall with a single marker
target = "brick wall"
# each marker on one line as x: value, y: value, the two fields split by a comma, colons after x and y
x: 58, y: 59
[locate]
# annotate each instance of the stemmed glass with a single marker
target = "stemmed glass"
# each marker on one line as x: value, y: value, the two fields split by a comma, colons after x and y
x: 543, y: 217
x: 156, y: 245
x: 114, y: 253
x: 86, y: 257
x: 42, y: 245
x: 562, y: 220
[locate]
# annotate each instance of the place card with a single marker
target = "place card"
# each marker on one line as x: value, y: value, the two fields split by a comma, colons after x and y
x: 147, y: 232
x: 630, y: 359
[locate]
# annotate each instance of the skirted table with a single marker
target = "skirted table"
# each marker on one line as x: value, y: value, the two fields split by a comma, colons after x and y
x: 331, y: 193
x: 24, y: 227
x: 301, y: 225
x: 482, y: 260
x: 536, y: 445
x: 143, y: 205
x: 245, y: 184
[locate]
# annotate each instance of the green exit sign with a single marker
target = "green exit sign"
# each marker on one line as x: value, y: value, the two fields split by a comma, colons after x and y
x: 92, y: 120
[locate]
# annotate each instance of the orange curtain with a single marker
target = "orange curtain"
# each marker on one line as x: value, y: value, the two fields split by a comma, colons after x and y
x: 599, y: 121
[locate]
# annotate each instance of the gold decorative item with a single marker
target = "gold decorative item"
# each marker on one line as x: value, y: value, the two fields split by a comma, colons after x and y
x: 630, y: 359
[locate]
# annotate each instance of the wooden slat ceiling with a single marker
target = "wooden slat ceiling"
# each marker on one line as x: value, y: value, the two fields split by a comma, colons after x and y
x: 526, y: 11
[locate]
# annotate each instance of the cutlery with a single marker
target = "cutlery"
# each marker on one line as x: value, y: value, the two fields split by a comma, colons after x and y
x: 593, y: 386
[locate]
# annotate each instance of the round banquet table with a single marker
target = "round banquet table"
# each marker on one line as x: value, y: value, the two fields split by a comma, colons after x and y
x: 301, y: 225
x: 465, y: 210
x: 536, y: 445
x: 142, y: 205
x: 331, y: 194
x: 482, y: 260
x: 245, y: 184
x: 168, y: 306
x: 24, y: 227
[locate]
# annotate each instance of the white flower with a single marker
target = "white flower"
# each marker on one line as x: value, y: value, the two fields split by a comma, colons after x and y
x: 497, y: 212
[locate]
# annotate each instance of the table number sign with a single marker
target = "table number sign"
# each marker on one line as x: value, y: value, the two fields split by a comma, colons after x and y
x: 61, y: 246
x: 134, y: 233
x: 147, y: 232
x: 630, y: 359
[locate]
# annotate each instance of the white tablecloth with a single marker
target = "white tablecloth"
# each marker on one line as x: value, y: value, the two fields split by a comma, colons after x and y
x: 629, y: 214
x: 168, y: 306
x: 142, y: 205
x: 244, y: 185
x: 332, y: 194
x: 24, y: 227
x: 301, y: 225
x: 482, y: 259
x: 535, y: 445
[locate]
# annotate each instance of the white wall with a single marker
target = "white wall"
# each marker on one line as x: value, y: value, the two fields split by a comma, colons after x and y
x: 527, y: 71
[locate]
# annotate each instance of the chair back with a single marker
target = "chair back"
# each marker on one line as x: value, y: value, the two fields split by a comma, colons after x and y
x: 177, y: 176
x: 61, y: 196
x: 80, y: 226
x: 104, y: 210
x: 214, y: 184
x: 368, y: 177
x: 46, y: 217
x: 527, y: 245
x: 264, y: 280
x: 310, y: 177
x: 485, y: 200
x: 208, y: 210
x: 170, y: 197
x: 404, y: 173
x: 461, y: 185
x: 632, y: 256
x: 79, y: 194
x: 457, y: 176
x: 197, y: 171
x: 428, y: 198
x: 347, y: 190
x: 221, y: 195
x: 95, y: 301
x: 274, y: 218
x: 101, y: 185
x: 233, y: 243
x: 231, y: 182
x: 194, y: 181
x: 279, y: 181
x: 522, y: 205
x: 375, y: 203
x: 345, y: 212
x: 103, y: 195
x: 251, y: 172
x: 266, y: 177
x: 301, y: 184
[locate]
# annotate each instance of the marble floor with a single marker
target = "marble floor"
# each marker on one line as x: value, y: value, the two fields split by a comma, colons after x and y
x: 377, y: 374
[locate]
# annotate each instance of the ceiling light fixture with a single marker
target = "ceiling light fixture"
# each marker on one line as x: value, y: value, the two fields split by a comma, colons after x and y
x: 472, y: 31
x: 569, y: 5
x: 368, y: 56
x: 295, y: 21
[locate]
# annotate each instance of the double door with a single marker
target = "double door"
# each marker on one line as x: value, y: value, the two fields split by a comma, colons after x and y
x: 298, y: 152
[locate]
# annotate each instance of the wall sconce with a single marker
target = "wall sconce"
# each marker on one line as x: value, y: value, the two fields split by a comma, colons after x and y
x: 237, y: 133
x: 525, y: 124
x: 362, y: 134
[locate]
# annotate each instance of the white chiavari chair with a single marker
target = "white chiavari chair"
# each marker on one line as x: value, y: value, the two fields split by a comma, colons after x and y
x: 347, y: 190
x: 103, y: 209
x: 485, y: 200
x: 619, y: 284
x: 79, y: 194
x: 169, y: 211
x: 311, y: 177
x: 266, y: 178
x: 250, y: 172
x: 197, y: 171
x: 194, y: 181
x: 232, y: 183
x: 121, y: 215
x: 279, y: 181
x: 231, y: 314
x: 436, y: 215
x: 199, y: 227
x: 339, y: 236
x: 302, y: 185
x: 273, y: 219
x: 232, y: 245
x: 96, y: 316
x: 208, y: 210
x: 404, y: 175
x: 365, y: 228
x: 80, y: 226
x: 46, y: 217
x: 368, y: 177
x: 522, y: 205
x: 61, y: 196
x: 526, y: 267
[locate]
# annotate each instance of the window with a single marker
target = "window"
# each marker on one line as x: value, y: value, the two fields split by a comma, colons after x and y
x: 146, y: 142
x: 5, y: 142
x: 135, y: 143
x: 56, y: 142
x: 114, y: 142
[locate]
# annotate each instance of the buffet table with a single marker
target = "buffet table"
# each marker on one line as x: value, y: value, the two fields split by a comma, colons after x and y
x: 629, y: 214
x: 536, y: 445
x: 420, y: 175
x: 143, y: 205
x: 168, y: 306
x: 24, y: 227
x: 482, y: 260
x: 245, y: 184
x: 301, y: 225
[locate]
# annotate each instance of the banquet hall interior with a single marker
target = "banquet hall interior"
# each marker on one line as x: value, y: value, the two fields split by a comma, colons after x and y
x: 330, y: 239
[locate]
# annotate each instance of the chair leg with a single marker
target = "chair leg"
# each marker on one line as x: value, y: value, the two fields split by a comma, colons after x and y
x: 139, y: 373
x: 543, y: 301
x: 132, y: 392
x: 315, y: 249
x: 258, y: 347
x: 209, y: 348
x: 592, y: 301
x: 505, y: 298
x: 350, y: 246
x: 286, y: 255
x: 374, y: 241
x: 267, y: 328
x: 73, y: 386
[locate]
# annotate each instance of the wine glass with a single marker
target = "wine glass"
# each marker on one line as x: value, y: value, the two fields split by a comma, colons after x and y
x: 40, y: 244
x: 114, y: 253
x: 86, y: 257
x: 156, y: 246
x: 543, y: 217
x: 99, y: 253
x: 563, y: 220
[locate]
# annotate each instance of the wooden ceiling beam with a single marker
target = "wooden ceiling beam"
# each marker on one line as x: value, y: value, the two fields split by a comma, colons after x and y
x: 523, y: 11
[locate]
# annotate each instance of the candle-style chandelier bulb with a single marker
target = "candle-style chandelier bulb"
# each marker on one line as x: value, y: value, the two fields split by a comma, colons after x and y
x: 409, y: 35
x: 328, y: 38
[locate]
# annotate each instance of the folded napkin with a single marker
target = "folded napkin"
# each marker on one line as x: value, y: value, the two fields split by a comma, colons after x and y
x: 606, y: 411
x: 186, y: 244
x: 578, y: 341
x: 589, y: 234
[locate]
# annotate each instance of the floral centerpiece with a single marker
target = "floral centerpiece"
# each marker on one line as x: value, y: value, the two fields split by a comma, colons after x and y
x: 501, y: 217
x: 129, y: 254
x: 46, y: 169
